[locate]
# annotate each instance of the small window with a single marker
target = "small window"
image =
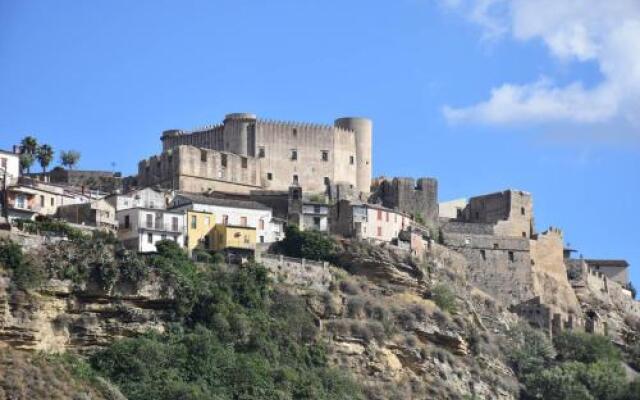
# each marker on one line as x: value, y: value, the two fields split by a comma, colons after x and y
x: 127, y: 222
x: 225, y: 220
x: 512, y: 257
x: 327, y: 182
x: 522, y: 211
x: 244, y: 162
x: 41, y: 201
x: 243, y: 221
x: 261, y: 239
x: 261, y: 224
x: 149, y: 237
x: 261, y: 153
x: 152, y: 204
x: 379, y: 231
x: 295, y: 179
x: 316, y: 222
x: 524, y: 234
x: 386, y: 215
x: 194, y: 222
x: 295, y: 132
x: 483, y: 254
x: 269, y: 176
x: 203, y: 155
x: 379, y: 215
x: 352, y: 160
x: 174, y: 224
x: 53, y: 201
x: 316, y: 209
x: 223, y: 160
x: 294, y: 154
x: 495, y: 246
x: 149, y: 220
x: 325, y: 155
x: 163, y: 237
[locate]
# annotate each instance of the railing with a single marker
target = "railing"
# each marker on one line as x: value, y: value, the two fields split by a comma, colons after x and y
x: 168, y: 227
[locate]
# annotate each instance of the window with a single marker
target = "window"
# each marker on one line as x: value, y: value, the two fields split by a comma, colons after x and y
x: 327, y: 182
x: 386, y: 215
x: 512, y: 257
x: 244, y: 162
x: 295, y: 179
x: 351, y: 160
x: 225, y: 220
x: 163, y: 237
x: 20, y: 201
x: 294, y: 154
x: 53, y: 202
x: 194, y: 222
x: 269, y: 176
x: 316, y: 222
x: 484, y: 255
x: 261, y: 224
x: 495, y: 246
x: 127, y: 222
x: 522, y: 210
x: 261, y: 153
x: 207, y: 221
x: 149, y: 220
x: 41, y: 201
x: 3, y: 162
x: 152, y: 204
x: 206, y: 241
x: 379, y: 215
x: 261, y: 239
x: 295, y: 132
x: 149, y: 237
x: 524, y: 234
x: 174, y: 223
x: 223, y: 160
x: 243, y: 221
x: 379, y: 231
x: 203, y: 155
x: 325, y: 155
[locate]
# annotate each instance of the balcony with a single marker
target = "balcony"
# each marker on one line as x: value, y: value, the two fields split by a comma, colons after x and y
x: 163, y: 227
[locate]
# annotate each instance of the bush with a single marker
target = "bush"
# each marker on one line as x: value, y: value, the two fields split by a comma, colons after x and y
x: 444, y: 298
x: 312, y: 245
x: 585, y: 348
x: 26, y: 273
x: 530, y: 350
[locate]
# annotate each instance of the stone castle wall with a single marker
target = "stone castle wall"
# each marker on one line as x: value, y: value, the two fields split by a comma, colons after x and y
x: 409, y: 196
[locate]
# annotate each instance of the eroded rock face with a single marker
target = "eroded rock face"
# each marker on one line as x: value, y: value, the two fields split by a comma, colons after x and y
x: 62, y: 316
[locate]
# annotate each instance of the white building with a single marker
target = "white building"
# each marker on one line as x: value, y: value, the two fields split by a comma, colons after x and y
x: 140, y: 228
x: 233, y: 211
x: 315, y: 216
x: 145, y: 198
x: 9, y: 167
x: 452, y: 209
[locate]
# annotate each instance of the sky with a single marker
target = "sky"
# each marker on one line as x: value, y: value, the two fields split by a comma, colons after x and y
x: 484, y: 95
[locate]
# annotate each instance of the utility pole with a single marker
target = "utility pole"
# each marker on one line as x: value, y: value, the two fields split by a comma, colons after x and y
x: 5, y: 212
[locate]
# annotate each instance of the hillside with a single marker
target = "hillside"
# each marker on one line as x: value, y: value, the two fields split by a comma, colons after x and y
x: 375, y: 324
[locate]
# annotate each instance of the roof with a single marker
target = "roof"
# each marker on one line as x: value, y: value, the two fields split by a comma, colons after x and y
x: 194, y: 198
x: 11, y: 153
x: 608, y: 263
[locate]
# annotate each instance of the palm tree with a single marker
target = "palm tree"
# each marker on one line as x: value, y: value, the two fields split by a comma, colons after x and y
x: 26, y: 161
x: 29, y: 145
x: 44, y: 156
x: 69, y: 158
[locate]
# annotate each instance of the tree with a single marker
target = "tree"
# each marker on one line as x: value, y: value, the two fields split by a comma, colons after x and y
x: 69, y: 158
x: 26, y: 161
x: 45, y: 156
x: 29, y: 147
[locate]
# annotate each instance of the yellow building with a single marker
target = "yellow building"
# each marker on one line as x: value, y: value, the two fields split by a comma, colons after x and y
x: 200, y: 230
x: 234, y: 237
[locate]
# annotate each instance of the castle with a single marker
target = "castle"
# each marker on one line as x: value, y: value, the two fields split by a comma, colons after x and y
x: 246, y: 153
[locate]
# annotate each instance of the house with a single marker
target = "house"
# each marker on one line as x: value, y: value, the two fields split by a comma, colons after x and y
x: 29, y: 198
x: 96, y: 213
x: 234, y: 211
x: 235, y: 241
x: 140, y: 228
x: 146, y: 198
x: 9, y: 168
x: 199, y: 225
x: 616, y: 270
x: 367, y: 221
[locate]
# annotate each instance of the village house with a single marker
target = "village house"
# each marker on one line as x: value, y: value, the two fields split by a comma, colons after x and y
x: 140, y: 228
x: 9, y: 168
x: 96, y: 213
x: 367, y: 221
x: 29, y: 198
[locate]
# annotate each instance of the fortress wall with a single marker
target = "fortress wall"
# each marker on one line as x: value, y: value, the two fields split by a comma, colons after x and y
x: 279, y: 139
x: 511, y: 211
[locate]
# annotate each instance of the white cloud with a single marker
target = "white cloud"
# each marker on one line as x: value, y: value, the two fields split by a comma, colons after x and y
x: 606, y: 32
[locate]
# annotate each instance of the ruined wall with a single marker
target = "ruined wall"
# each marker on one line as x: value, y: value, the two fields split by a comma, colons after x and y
x: 511, y: 211
x: 409, y: 196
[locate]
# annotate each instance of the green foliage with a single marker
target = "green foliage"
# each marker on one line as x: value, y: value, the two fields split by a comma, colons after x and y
x: 312, y: 245
x: 44, y: 155
x: 419, y: 218
x: 444, y: 297
x: 585, y: 348
x: 241, y: 340
x: 26, y: 274
x: 69, y: 158
x: 26, y: 162
x: 530, y: 350
x: 44, y: 224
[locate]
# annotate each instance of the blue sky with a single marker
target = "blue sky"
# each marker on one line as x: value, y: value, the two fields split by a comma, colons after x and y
x: 462, y: 90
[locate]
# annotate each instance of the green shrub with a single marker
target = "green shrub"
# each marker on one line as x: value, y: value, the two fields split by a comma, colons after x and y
x: 530, y: 350
x: 26, y: 273
x: 312, y: 245
x: 444, y: 298
x: 585, y: 348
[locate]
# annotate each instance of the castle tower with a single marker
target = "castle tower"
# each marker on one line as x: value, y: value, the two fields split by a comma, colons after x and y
x: 363, y: 131
x: 239, y: 134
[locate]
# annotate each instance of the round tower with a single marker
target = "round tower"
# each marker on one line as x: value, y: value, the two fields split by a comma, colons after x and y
x: 239, y: 136
x: 169, y: 138
x: 363, y: 129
